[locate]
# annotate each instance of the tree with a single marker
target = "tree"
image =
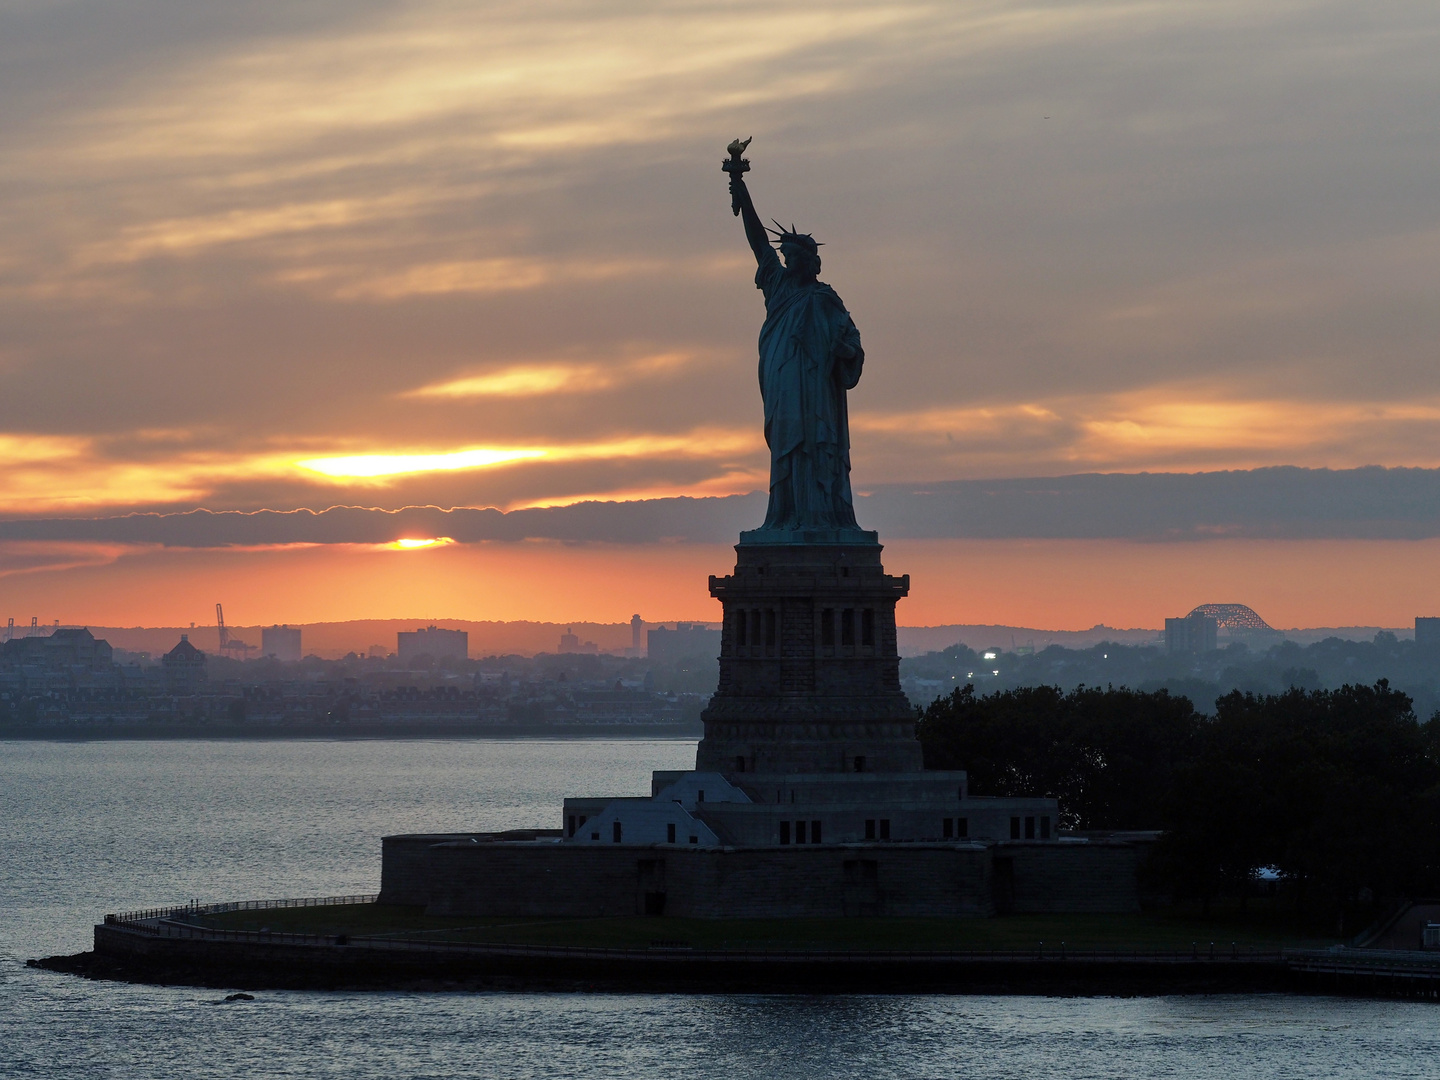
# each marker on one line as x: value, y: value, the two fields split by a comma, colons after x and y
x: 1108, y: 755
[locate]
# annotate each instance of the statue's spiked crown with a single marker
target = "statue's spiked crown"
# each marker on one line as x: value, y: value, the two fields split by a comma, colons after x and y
x: 785, y: 236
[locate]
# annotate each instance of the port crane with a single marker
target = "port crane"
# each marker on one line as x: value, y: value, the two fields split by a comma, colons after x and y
x: 232, y: 647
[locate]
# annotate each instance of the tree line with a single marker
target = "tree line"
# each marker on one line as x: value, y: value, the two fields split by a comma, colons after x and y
x: 1336, y: 790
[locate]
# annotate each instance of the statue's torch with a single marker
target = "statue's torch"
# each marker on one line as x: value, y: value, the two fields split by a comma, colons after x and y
x: 737, y: 167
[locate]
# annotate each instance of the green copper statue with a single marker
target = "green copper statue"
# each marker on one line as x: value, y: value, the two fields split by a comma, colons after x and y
x: 810, y: 355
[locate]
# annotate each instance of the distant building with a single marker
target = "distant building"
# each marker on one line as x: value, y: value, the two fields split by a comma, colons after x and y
x: 636, y: 626
x: 281, y: 642
x: 62, y: 650
x: 184, y: 665
x: 687, y: 640
x: 1192, y: 635
x: 432, y: 642
x: 571, y: 643
x: 1427, y: 632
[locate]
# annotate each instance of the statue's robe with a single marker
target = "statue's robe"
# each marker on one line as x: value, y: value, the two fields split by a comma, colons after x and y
x: 803, y: 383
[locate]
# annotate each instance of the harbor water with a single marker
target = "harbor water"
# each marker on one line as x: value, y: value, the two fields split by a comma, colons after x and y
x: 87, y: 828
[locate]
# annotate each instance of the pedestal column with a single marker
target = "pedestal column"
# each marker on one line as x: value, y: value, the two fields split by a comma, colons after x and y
x: 809, y: 671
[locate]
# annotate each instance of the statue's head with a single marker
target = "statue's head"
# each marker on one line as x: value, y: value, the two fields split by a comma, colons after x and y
x: 801, y: 251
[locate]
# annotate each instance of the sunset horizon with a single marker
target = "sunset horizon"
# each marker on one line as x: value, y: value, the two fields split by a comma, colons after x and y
x: 403, y: 260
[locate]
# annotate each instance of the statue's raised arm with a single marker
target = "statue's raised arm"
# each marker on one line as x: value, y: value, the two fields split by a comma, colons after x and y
x: 741, y: 204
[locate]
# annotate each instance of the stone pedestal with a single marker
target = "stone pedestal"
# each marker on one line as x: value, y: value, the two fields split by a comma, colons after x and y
x: 809, y: 673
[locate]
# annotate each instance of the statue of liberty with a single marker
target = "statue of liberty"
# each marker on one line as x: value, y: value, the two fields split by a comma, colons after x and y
x: 810, y: 355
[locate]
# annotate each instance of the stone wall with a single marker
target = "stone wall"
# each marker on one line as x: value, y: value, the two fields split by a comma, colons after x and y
x: 1095, y: 877
x: 485, y: 878
x: 407, y: 874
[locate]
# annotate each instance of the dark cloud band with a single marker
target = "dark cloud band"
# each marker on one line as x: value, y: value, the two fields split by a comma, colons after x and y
x: 1275, y: 503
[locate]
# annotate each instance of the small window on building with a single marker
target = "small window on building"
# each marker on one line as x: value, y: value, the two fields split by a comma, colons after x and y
x: 594, y: 836
x: 1044, y: 828
x: 859, y: 762
x: 583, y: 819
x: 740, y: 627
x: 870, y: 829
x: 694, y: 840
x: 867, y: 627
x: 784, y: 832
x: 1014, y: 828
x: 799, y: 832
x: 739, y: 762
x: 947, y: 828
x: 827, y: 627
x: 884, y: 828
x: 961, y: 793
x: 847, y: 626
x: 770, y: 629
x: 615, y: 832
x: 962, y: 827
x: 1029, y: 828
x: 670, y: 833
x: 570, y: 826
x: 814, y: 832
x: 700, y: 795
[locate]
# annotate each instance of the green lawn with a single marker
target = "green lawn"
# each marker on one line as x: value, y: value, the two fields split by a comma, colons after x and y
x: 1148, y: 931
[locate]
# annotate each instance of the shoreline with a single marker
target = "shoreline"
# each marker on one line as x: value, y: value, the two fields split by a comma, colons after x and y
x: 169, y: 947
x: 361, y: 965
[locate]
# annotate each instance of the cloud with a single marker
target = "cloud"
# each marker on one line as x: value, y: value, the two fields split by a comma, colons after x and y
x: 370, y: 466
x: 549, y: 378
x: 1277, y: 503
x: 34, y: 557
x: 641, y: 522
x: 1104, y: 236
x: 169, y: 467
x: 1179, y: 427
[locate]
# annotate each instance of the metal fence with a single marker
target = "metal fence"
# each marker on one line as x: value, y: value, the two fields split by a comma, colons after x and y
x: 196, y: 908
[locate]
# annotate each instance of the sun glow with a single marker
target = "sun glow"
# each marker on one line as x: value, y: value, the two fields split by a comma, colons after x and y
x: 415, y: 543
x: 698, y: 443
x: 375, y: 465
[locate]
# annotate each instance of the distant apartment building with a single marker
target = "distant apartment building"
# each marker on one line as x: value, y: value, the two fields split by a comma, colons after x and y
x: 435, y: 643
x: 1191, y: 635
x: 281, y: 642
x: 687, y: 640
x: 1427, y: 632
x: 570, y: 643
x: 184, y: 666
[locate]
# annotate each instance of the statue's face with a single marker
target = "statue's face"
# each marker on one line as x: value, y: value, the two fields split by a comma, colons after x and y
x: 795, y: 256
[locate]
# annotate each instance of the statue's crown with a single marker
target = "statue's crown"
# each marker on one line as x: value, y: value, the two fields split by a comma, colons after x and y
x: 790, y: 236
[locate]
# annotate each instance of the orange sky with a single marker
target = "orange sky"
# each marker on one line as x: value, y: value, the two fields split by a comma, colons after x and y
x: 1062, y: 585
x: 385, y: 254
